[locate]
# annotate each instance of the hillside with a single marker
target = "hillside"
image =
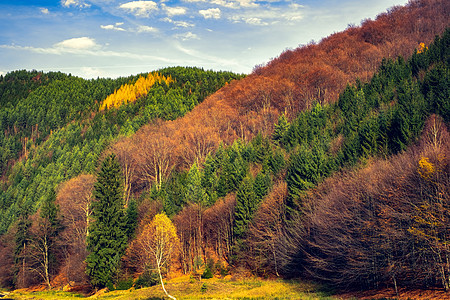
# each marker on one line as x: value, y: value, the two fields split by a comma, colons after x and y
x: 329, y: 163
x: 52, y: 130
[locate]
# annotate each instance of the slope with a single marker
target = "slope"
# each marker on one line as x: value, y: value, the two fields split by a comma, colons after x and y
x: 54, y: 132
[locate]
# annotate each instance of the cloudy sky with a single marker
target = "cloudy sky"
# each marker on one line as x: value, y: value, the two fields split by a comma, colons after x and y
x: 111, y: 38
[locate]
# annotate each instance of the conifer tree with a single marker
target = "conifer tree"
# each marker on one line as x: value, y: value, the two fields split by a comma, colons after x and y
x: 262, y: 185
x: 280, y: 129
x: 131, y: 218
x: 107, y: 234
x: 245, y: 206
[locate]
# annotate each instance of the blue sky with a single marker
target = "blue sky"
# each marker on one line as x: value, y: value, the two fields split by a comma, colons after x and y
x: 111, y: 38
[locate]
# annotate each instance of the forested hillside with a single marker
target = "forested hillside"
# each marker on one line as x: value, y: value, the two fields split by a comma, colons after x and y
x: 52, y: 130
x: 329, y: 163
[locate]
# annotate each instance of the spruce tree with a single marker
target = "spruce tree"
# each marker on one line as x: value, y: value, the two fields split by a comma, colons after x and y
x: 131, y: 218
x: 107, y: 234
x: 280, y: 129
x: 245, y: 206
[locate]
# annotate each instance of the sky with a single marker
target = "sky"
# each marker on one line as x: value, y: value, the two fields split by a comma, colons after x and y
x: 113, y: 38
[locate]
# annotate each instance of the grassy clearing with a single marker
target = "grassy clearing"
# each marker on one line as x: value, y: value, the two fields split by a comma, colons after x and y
x: 185, y: 288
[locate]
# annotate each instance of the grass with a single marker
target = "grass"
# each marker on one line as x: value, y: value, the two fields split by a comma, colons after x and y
x: 214, y: 288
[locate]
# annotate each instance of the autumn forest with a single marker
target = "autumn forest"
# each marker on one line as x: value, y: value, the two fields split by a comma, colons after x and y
x: 330, y: 163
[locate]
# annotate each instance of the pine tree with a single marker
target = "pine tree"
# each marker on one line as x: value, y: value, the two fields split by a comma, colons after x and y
x: 107, y: 234
x: 280, y: 129
x: 262, y: 185
x: 245, y: 206
x: 131, y: 218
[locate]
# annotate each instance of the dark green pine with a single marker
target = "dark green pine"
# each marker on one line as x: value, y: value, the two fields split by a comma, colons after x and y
x: 245, y: 204
x: 108, y: 233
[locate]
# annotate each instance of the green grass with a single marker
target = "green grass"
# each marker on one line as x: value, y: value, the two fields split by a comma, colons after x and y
x: 214, y: 288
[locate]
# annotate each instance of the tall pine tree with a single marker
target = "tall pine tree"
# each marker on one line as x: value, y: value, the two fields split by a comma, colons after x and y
x: 107, y: 234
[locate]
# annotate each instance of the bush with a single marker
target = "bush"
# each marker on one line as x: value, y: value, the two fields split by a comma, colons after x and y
x: 147, y: 279
x: 124, y: 284
x: 207, y: 273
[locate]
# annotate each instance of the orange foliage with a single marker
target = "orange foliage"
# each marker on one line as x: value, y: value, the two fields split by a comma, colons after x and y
x: 288, y: 84
x: 131, y: 92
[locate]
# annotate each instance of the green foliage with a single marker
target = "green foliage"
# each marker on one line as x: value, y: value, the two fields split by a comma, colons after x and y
x: 124, y: 284
x: 246, y: 203
x: 131, y: 218
x: 379, y: 118
x: 147, y: 279
x: 436, y: 89
x: 52, y: 120
x: 207, y: 274
x: 195, y: 193
x: 107, y: 238
x: 280, y: 128
x: 308, y: 166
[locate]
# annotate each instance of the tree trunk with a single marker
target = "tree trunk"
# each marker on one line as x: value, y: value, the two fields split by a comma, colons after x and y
x: 162, y: 284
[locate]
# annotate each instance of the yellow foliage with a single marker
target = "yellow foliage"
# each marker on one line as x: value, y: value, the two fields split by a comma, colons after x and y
x: 131, y: 92
x: 422, y: 48
x: 426, y: 169
x: 159, y: 240
x: 165, y: 230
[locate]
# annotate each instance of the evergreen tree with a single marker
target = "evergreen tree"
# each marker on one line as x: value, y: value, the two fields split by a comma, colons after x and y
x: 262, y: 185
x: 245, y: 206
x: 280, y: 129
x: 107, y: 234
x: 131, y: 218
x: 195, y: 193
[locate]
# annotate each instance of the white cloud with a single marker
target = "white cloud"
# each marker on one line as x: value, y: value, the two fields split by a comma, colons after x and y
x: 82, y: 43
x: 147, y: 29
x: 269, y: 16
x: 174, y: 11
x: 187, y: 36
x: 181, y: 24
x: 140, y: 8
x: 296, y: 6
x: 76, y: 3
x: 45, y: 11
x: 225, y: 3
x: 94, y: 51
x: 255, y: 21
x: 247, y: 3
x: 113, y: 27
x: 90, y: 72
x: 212, y: 13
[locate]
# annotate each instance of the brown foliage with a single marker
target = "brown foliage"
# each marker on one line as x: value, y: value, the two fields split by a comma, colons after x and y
x: 386, y: 224
x: 7, y: 261
x: 288, y: 84
x: 74, y: 198
x: 265, y: 230
x: 218, y: 227
x: 189, y: 226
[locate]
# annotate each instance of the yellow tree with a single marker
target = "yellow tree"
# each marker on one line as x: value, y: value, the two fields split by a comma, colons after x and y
x: 158, y: 243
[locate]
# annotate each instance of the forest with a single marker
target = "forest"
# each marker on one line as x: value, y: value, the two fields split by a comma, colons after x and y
x: 330, y: 163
